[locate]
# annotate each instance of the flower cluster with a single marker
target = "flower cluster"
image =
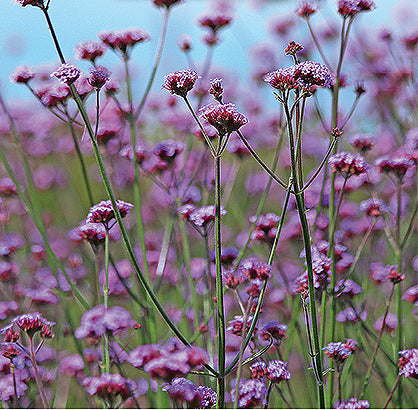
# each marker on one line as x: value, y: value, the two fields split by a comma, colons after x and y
x: 352, y: 403
x: 265, y: 228
x: 166, y: 3
x: 306, y: 8
x: 123, y: 41
x: 373, y: 207
x: 348, y: 164
x: 29, y: 323
x: 67, y: 73
x: 169, y: 361
x: 237, y: 324
x: 408, y: 363
x: 396, y: 165
x: 89, y: 50
x: 168, y: 150
x: 180, y: 82
x: 181, y: 390
x: 254, y: 269
x: 200, y: 217
x: 110, y: 388
x: 98, y: 77
x: 103, y: 212
x: 349, y: 8
x: 339, y: 352
x: 273, y: 329
x: 362, y: 142
x: 22, y: 75
x: 224, y: 117
x: 251, y: 393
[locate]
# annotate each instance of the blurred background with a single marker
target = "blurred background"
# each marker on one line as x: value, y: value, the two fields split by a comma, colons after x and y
x: 24, y: 38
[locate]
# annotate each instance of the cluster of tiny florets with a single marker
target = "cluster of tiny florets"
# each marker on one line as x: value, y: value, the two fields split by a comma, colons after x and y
x: 122, y: 41
x: 408, y: 363
x: 348, y: 164
x: 89, y: 50
x: 224, y: 117
x: 180, y: 82
x: 103, y: 212
x: 67, y: 73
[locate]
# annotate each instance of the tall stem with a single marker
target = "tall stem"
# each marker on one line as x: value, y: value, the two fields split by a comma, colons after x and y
x: 219, y: 287
x: 106, y: 302
x: 300, y: 202
x: 37, y: 377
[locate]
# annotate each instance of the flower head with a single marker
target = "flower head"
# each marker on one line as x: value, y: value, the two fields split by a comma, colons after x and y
x: 98, y: 77
x: 22, y: 75
x: 166, y: 3
x: 30, y: 323
x: 373, y: 207
x: 215, y: 22
x: 251, y: 393
x: 348, y: 164
x: 292, y: 48
x: 180, y: 82
x: 277, y: 371
x: 362, y: 142
x: 311, y: 73
x: 89, y: 50
x: 110, y: 388
x: 168, y: 150
x: 216, y: 89
x: 408, y: 363
x: 35, y: 3
x: 103, y: 212
x: 185, y: 43
x: 254, y: 269
x: 123, y: 41
x: 258, y: 370
x: 306, y: 8
x: 181, y: 390
x: 273, y: 329
x: 67, y: 73
x: 396, y: 165
x: 352, y: 403
x: 224, y: 118
x: 337, y: 351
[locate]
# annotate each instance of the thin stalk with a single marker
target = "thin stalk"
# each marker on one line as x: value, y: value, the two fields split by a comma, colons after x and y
x: 106, y: 301
x: 318, y: 46
x: 266, y: 406
x: 393, y: 391
x: 300, y: 202
x: 219, y: 287
x: 410, y: 227
x: 161, y: 41
x: 111, y: 196
x: 261, y: 162
x: 15, y: 399
x: 349, y: 115
x: 37, y: 377
x: 376, y: 347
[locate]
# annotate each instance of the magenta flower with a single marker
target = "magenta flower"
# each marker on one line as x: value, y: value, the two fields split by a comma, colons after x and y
x: 35, y: 3
x: 89, y: 50
x: 22, y: 75
x: 373, y: 207
x: 123, y: 41
x: 254, y: 269
x: 31, y: 323
x: 224, y: 118
x: 166, y: 3
x: 103, y: 212
x: 67, y: 73
x: 306, y: 8
x: 258, y: 370
x: 110, y: 388
x: 181, y: 390
x: 311, y: 74
x: 180, y: 82
x: 251, y: 393
x: 408, y: 363
x: 348, y: 164
x: 216, y: 89
x: 273, y: 329
x: 397, y: 165
x: 277, y: 371
x: 185, y: 43
x: 214, y: 22
x: 352, y: 403
x: 98, y: 77
x: 362, y: 142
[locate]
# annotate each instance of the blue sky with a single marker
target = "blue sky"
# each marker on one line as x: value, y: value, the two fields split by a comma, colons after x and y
x: 24, y: 38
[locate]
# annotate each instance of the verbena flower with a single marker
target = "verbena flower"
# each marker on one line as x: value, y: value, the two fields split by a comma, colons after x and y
x: 265, y: 228
x: 251, y: 393
x: 292, y: 48
x: 352, y: 403
x: 311, y: 73
x: 200, y: 217
x: 67, y: 73
x: 31, y: 323
x: 254, y: 269
x: 396, y: 165
x: 236, y: 325
x: 305, y: 9
x: 337, y: 351
x: 98, y: 77
x: 373, y: 207
x: 258, y: 370
x: 123, y: 41
x: 180, y: 82
x: 168, y: 150
x: 215, y: 21
x: 411, y: 294
x: 181, y: 390
x: 208, y: 397
x: 103, y: 212
x: 277, y: 371
x: 273, y: 329
x: 89, y: 50
x: 216, y: 89
x: 408, y: 363
x: 362, y: 142
x: 394, y: 276
x: 22, y: 75
x: 35, y: 3
x: 348, y: 164
x: 349, y: 8
x: 110, y: 388
x: 185, y: 43
x: 224, y: 118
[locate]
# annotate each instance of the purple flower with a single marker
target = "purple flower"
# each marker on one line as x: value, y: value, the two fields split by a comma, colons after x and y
x: 72, y: 365
x: 224, y: 118
x: 254, y: 269
x: 98, y: 77
x: 411, y: 295
x: 7, y: 389
x: 236, y: 325
x: 258, y: 370
x: 362, y: 142
x: 181, y: 390
x: 141, y: 355
x: 349, y: 8
x: 96, y: 321
x: 168, y: 150
x: 391, y: 323
x: 30, y: 323
x: 394, y: 276
x: 352, y: 403
x: 22, y: 75
x: 200, y: 217
x: 216, y: 89
x: 251, y: 393
x: 273, y: 329
x: 277, y: 371
x: 350, y: 315
x: 89, y: 50
x: 7, y: 187
x: 373, y: 207
x: 348, y: 164
x: 214, y: 22
x: 166, y: 3
x: 180, y: 82
x: 265, y: 228
x: 103, y: 212
x: 123, y: 41
x: 306, y: 8
x: 228, y: 256
x: 337, y: 351
x: 208, y: 397
x: 408, y: 363
x: 292, y: 48
x: 67, y: 73
x: 167, y: 368
x: 185, y: 43
x: 35, y: 3
x: 396, y: 164
x: 110, y: 388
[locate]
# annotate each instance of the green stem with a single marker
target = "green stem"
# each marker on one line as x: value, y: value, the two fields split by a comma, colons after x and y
x: 106, y: 301
x: 219, y: 287
x: 36, y: 372
x: 398, y: 379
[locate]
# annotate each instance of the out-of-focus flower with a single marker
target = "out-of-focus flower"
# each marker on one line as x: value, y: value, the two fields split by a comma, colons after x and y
x: 396, y: 165
x: 273, y: 329
x: 258, y: 370
x: 306, y: 8
x: 67, y: 73
x: 373, y: 207
x: 251, y: 393
x: 200, y: 217
x: 181, y: 390
x: 7, y: 187
x: 254, y: 269
x: 180, y: 82
x: 349, y: 8
x: 22, y: 75
x: 123, y: 41
x: 89, y: 50
x: 185, y: 43
x: 166, y: 3
x: 394, y: 276
x: 168, y: 150
x: 236, y: 325
x: 30, y: 323
x: 110, y: 388
x: 362, y: 142
x: 214, y: 22
x: 411, y: 294
x: 391, y: 323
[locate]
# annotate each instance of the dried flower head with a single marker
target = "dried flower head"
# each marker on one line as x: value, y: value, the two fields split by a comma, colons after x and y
x: 180, y: 82
x: 224, y: 118
x: 67, y: 73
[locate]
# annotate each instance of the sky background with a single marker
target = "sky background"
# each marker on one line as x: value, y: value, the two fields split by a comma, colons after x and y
x: 24, y: 38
